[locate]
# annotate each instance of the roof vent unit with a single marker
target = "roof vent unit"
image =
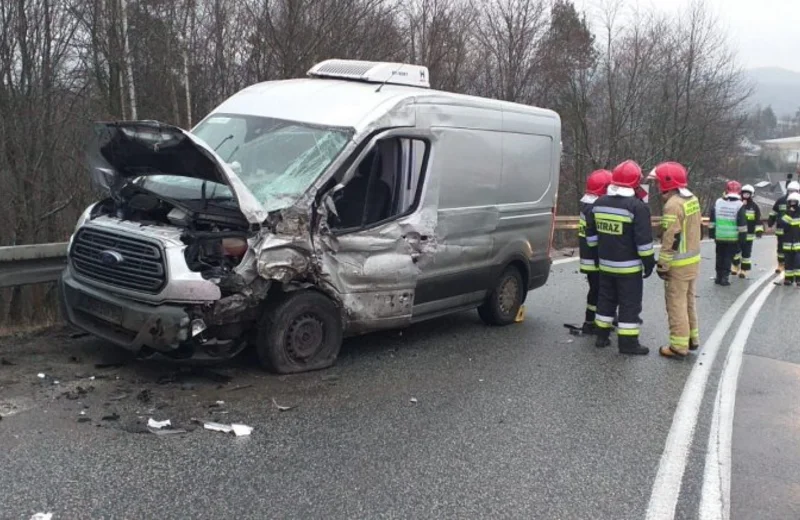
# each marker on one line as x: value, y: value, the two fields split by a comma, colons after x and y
x: 373, y: 72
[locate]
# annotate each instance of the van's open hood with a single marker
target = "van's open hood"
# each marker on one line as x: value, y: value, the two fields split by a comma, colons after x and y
x: 120, y: 151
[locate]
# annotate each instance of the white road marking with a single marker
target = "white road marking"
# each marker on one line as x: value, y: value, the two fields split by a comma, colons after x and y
x: 715, y: 501
x: 667, y: 484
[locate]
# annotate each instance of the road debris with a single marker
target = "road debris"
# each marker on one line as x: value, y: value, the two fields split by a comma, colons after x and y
x: 239, y: 430
x: 282, y: 408
x: 40, y: 375
x: 171, y: 431
x: 113, y: 417
x: 575, y: 330
x: 144, y: 396
x: 240, y: 387
x: 6, y: 363
x: 152, y: 423
x: 74, y: 395
x: 42, y: 516
x: 199, y: 372
x: 113, y: 364
x: 84, y: 419
x: 119, y: 397
x: 414, y: 400
x: 218, y: 427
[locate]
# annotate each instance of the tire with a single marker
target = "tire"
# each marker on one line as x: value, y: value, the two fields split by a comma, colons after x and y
x: 301, y: 333
x: 505, y: 299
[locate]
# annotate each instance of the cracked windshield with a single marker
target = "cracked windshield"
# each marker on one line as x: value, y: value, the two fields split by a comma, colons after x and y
x: 277, y: 160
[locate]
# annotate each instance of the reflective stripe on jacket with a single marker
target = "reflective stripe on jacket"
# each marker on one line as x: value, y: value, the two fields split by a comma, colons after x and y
x: 682, y: 229
x: 727, y: 222
x: 753, y: 214
x: 620, y: 227
x: 790, y: 224
x: 588, y: 254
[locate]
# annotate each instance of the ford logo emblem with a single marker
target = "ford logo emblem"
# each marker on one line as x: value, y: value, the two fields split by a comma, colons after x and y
x: 111, y: 258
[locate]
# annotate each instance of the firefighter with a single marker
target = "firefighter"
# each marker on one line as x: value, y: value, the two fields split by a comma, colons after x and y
x: 679, y: 262
x: 755, y: 229
x: 778, y: 209
x: 790, y: 223
x: 596, y: 186
x: 728, y: 228
x: 619, y: 226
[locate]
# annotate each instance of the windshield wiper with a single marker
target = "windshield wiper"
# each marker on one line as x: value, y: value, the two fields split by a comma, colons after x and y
x: 223, y: 142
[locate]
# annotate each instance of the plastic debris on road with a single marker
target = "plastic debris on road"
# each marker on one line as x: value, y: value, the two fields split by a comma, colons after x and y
x: 282, y: 408
x: 41, y: 375
x: 240, y: 430
x: 414, y: 400
x: 42, y: 516
x: 218, y: 427
x: 152, y: 423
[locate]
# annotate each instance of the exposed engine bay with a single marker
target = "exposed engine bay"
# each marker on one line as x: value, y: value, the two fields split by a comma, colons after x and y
x: 215, y: 233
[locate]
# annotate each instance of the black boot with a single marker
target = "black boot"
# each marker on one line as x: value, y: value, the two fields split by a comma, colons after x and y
x: 589, y: 328
x: 630, y: 345
x: 724, y: 280
x: 602, y: 340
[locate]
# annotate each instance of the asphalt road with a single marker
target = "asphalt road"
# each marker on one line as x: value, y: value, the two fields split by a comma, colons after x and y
x: 448, y: 419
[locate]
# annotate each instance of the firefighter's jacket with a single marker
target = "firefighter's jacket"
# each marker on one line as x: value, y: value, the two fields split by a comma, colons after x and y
x: 619, y: 227
x: 753, y: 214
x: 588, y: 254
x: 682, y: 230
x: 790, y: 225
x: 778, y: 210
x: 728, y: 222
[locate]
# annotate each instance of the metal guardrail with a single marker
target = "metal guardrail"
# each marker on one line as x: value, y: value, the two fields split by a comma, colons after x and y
x: 42, y: 263
x: 32, y: 264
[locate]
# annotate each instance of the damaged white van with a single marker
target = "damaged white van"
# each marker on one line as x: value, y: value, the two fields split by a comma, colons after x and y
x: 302, y: 211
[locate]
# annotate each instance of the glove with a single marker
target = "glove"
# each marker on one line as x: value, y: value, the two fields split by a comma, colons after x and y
x: 664, y: 275
x: 649, y: 264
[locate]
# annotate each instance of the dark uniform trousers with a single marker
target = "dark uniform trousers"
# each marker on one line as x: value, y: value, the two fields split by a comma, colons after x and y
x: 625, y: 293
x: 591, y: 297
x: 726, y: 251
x: 747, y: 254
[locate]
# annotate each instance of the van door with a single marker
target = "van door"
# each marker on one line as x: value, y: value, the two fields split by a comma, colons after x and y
x: 381, y: 232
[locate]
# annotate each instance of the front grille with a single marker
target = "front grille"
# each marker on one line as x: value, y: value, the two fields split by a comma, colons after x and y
x: 139, y: 264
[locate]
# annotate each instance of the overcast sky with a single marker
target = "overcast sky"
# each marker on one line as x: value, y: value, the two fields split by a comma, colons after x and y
x: 764, y: 33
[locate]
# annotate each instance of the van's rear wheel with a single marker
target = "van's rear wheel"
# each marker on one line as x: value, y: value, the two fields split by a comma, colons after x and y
x: 503, y: 302
x: 301, y: 333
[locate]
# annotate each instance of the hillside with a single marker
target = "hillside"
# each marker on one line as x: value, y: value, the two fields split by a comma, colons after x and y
x: 777, y: 87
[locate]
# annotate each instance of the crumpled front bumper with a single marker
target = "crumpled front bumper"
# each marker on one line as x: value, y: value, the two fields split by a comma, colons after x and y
x: 129, y: 324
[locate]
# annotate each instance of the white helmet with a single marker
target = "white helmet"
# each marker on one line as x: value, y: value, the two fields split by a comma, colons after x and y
x: 748, y: 188
x: 793, y: 186
x: 793, y: 197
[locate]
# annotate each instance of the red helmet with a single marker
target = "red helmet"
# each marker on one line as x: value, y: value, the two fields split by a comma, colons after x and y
x: 733, y: 188
x: 627, y: 175
x: 597, y: 182
x: 670, y: 176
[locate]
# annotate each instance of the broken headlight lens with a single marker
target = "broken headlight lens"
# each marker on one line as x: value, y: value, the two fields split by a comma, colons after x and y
x: 235, y: 247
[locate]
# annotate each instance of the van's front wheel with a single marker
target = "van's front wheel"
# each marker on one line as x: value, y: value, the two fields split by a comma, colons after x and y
x: 301, y: 333
x: 505, y: 299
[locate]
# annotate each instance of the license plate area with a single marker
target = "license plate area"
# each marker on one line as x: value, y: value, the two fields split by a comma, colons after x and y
x: 100, y: 309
